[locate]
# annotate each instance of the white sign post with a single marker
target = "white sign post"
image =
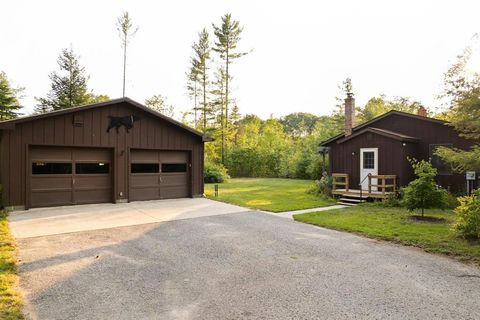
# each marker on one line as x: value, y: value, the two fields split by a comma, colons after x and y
x: 470, y: 176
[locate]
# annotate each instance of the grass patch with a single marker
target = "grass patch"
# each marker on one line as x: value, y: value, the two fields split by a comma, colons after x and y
x: 10, y: 300
x: 395, y: 224
x: 270, y: 194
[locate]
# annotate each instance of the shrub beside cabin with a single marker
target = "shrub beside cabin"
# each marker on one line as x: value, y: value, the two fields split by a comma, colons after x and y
x: 115, y: 151
x: 381, y: 146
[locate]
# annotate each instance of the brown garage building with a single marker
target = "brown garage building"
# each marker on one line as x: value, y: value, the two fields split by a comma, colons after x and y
x: 115, y: 151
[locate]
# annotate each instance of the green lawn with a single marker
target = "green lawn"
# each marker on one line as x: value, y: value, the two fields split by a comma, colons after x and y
x: 392, y: 224
x: 276, y: 195
x: 10, y: 301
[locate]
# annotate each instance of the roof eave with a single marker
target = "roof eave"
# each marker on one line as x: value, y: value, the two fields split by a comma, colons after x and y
x: 381, y: 133
x: 10, y: 124
x: 366, y: 124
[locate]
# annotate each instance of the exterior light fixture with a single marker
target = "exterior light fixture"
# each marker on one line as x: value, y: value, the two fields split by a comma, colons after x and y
x: 404, y: 144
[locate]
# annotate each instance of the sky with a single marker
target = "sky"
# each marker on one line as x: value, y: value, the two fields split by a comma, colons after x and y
x: 300, y: 51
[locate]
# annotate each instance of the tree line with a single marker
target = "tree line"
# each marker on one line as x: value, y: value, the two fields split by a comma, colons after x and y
x: 245, y: 144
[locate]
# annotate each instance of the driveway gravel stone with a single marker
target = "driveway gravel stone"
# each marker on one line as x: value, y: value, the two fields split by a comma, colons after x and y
x: 245, y: 265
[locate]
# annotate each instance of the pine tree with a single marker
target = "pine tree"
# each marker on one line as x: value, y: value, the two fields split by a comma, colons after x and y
x: 235, y: 118
x: 345, y: 88
x: 218, y: 103
x: 125, y: 31
x: 69, y: 86
x: 227, y: 38
x: 9, y: 99
x: 192, y: 90
x: 200, y: 65
x: 159, y: 103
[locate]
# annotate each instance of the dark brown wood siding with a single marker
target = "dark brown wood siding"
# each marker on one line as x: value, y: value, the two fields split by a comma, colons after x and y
x: 149, y: 132
x: 393, y: 155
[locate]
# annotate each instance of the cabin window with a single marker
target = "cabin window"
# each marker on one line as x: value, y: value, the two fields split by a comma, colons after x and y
x: 174, y: 167
x: 51, y: 168
x: 92, y: 168
x: 368, y: 160
x: 442, y: 167
x: 145, y: 168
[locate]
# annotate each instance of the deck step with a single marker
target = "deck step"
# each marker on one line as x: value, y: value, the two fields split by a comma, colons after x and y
x: 347, y: 203
x: 350, y: 200
x: 353, y: 200
x: 355, y: 195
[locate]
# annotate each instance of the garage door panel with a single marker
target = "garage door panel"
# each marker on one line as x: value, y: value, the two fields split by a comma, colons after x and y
x: 93, y: 195
x: 89, y: 154
x: 155, y: 184
x: 144, y: 156
x: 174, y: 156
x: 93, y: 182
x: 174, y: 179
x: 64, y: 176
x: 50, y: 153
x: 144, y: 180
x: 49, y: 182
x: 173, y: 192
x: 145, y: 193
x: 51, y: 198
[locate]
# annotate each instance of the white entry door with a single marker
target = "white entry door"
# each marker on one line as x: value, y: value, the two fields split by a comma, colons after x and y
x: 368, y: 165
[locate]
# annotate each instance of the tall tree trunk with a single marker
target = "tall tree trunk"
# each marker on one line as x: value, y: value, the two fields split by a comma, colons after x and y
x: 124, y: 62
x: 204, y: 97
x: 222, y: 122
x: 225, y: 128
x: 226, y: 89
x: 195, y: 102
x: 70, y: 88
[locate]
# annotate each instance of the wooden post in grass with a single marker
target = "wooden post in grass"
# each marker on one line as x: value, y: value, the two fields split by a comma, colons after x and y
x: 216, y: 190
x: 369, y: 184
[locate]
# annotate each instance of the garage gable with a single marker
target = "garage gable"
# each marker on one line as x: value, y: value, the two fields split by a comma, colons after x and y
x: 121, y: 120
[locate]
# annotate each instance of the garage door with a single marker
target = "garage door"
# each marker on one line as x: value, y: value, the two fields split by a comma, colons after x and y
x: 156, y: 174
x: 65, y: 176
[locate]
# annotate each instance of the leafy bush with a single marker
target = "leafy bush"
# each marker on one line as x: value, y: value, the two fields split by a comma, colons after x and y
x: 392, y: 200
x: 215, y: 173
x: 322, y: 186
x: 468, y: 216
x: 451, y: 201
x: 423, y: 193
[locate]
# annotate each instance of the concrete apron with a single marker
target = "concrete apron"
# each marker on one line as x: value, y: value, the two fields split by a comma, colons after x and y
x: 57, y: 220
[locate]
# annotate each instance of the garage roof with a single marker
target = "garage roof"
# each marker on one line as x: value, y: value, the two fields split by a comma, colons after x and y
x: 10, y: 124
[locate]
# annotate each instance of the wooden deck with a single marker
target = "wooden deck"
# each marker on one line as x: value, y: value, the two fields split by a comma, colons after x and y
x: 384, y: 186
x: 355, y: 193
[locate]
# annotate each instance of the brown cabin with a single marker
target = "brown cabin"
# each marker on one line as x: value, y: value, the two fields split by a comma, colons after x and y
x: 115, y: 151
x: 371, y: 158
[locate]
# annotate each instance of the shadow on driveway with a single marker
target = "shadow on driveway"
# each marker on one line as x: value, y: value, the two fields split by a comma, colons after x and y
x: 241, y: 265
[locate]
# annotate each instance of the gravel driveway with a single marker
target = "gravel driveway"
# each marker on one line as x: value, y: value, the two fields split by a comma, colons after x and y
x: 246, y: 265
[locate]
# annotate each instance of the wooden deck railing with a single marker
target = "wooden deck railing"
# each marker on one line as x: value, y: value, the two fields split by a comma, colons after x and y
x: 339, y: 179
x: 382, y: 184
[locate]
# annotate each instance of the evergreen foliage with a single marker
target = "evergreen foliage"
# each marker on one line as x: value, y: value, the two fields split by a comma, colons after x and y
x: 200, y: 67
x: 9, y: 99
x: 159, y: 103
x: 69, y: 85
